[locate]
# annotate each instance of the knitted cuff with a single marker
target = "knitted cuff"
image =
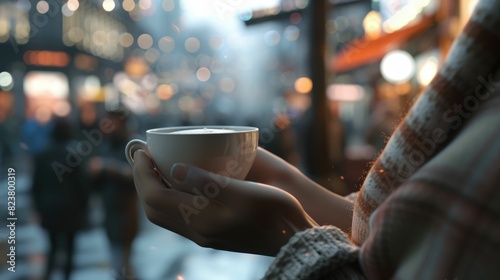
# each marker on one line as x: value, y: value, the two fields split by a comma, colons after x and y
x: 317, y: 253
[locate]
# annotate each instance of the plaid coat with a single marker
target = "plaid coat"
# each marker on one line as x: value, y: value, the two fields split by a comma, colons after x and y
x: 430, y: 205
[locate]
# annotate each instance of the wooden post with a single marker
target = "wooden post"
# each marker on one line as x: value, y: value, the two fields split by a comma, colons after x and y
x: 319, y: 162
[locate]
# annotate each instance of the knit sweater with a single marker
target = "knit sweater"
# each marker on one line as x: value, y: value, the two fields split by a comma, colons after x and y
x: 465, y: 81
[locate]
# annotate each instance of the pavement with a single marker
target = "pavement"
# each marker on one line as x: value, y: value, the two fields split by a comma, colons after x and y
x: 157, y: 254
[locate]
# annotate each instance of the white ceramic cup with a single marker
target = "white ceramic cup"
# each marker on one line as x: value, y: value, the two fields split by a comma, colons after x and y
x: 225, y: 150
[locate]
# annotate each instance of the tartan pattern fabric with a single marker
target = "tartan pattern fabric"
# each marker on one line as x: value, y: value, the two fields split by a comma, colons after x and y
x: 430, y: 205
x: 444, y: 222
x: 438, y: 115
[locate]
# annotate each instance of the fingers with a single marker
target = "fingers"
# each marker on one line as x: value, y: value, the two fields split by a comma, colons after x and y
x: 181, y: 206
x: 199, y: 182
x: 150, y: 189
x: 230, y: 192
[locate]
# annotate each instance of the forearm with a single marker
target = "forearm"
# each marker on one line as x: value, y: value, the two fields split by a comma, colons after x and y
x: 324, y: 206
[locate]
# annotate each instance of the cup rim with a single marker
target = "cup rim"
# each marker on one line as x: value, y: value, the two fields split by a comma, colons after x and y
x: 237, y: 129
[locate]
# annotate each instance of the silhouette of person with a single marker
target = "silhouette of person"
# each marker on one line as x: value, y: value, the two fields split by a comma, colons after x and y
x: 59, y: 196
x: 113, y: 176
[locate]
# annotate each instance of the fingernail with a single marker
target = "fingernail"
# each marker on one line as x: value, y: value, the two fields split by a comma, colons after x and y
x: 178, y: 172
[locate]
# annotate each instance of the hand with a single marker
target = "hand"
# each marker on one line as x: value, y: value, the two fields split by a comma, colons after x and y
x: 324, y: 206
x: 273, y: 170
x: 218, y: 212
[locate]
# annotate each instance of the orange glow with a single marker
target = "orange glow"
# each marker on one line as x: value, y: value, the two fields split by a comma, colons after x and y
x: 86, y: 62
x: 164, y: 92
x: 136, y: 66
x: 6, y: 102
x: 46, y: 58
x: 303, y: 85
x: 372, y: 25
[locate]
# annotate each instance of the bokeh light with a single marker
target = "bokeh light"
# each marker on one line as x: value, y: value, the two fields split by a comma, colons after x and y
x: 4, y: 30
x: 99, y: 38
x: 6, y: 81
x: 295, y: 18
x: 372, y: 24
x: 145, y: 41
x: 166, y: 44
x: 76, y: 35
x: 428, y: 70
x: 126, y: 39
x: 301, y: 4
x: 164, y: 92
x: 73, y: 5
x: 108, y: 5
x: 303, y: 85
x: 145, y: 4
x: 245, y: 14
x: 42, y: 7
x: 292, y: 33
x: 397, y: 66
x: 168, y: 5
x: 186, y: 103
x: 203, y: 74
x: 66, y: 11
x: 152, y: 55
x: 192, y: 44
x: 128, y: 5
x: 272, y: 38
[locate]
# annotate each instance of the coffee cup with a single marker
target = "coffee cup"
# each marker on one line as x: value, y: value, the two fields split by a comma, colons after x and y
x: 224, y: 150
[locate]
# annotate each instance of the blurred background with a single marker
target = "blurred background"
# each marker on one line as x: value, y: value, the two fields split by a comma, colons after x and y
x: 326, y: 82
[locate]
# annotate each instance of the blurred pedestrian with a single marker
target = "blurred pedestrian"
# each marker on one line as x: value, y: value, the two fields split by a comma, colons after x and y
x: 35, y: 131
x: 59, y: 196
x: 113, y: 176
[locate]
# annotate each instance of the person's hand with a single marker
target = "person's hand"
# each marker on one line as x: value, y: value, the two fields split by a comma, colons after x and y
x: 324, y: 206
x: 218, y: 212
x: 273, y: 170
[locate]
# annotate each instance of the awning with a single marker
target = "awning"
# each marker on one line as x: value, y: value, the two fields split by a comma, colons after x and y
x: 364, y: 51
